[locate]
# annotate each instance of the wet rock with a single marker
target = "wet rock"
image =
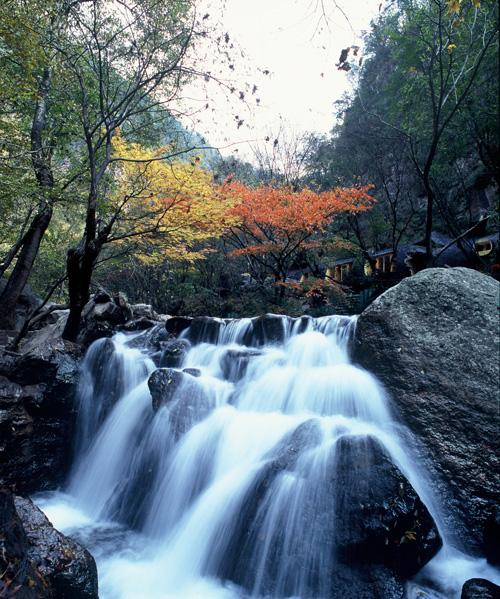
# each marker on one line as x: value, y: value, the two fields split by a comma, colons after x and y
x: 196, y: 372
x: 491, y: 536
x: 269, y: 328
x: 37, y: 561
x: 37, y: 415
x: 187, y: 401
x: 479, y: 588
x: 379, y: 517
x: 355, y: 528
x: 177, y: 324
x: 234, y: 363
x: 205, y: 329
x: 163, y: 384
x: 174, y: 352
x: 433, y: 341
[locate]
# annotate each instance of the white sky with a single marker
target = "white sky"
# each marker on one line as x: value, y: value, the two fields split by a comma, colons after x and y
x: 289, y: 38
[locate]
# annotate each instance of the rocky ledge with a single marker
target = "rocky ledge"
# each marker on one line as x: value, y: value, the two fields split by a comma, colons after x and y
x: 37, y: 561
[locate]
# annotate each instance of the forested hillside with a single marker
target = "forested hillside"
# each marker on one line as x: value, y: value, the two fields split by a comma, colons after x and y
x: 102, y: 186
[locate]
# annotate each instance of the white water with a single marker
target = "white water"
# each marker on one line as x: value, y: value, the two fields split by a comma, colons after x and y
x: 185, y: 492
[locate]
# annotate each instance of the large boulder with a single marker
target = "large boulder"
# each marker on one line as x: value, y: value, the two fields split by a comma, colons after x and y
x: 380, y: 519
x: 37, y: 561
x: 433, y: 342
x: 480, y: 588
x: 356, y: 528
x: 37, y: 414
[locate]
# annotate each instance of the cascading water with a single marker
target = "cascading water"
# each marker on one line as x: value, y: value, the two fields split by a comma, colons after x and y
x: 228, y: 489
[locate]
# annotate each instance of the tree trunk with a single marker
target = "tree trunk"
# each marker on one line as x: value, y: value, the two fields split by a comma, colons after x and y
x: 19, y: 277
x: 79, y: 267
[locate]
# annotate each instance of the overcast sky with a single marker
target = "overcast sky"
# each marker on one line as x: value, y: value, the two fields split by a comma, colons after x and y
x: 291, y: 40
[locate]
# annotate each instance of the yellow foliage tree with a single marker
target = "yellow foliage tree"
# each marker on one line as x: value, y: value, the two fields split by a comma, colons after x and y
x: 168, y: 209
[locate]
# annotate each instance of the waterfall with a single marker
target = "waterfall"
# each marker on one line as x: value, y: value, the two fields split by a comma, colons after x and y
x: 228, y: 490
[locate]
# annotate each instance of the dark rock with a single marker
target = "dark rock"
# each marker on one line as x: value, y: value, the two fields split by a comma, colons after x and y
x: 491, y: 536
x: 204, y: 329
x: 433, y: 342
x: 196, y: 372
x: 359, y: 529
x: 269, y: 328
x: 379, y: 517
x: 139, y: 324
x: 67, y: 567
x: 37, y: 415
x: 177, y: 324
x: 101, y: 318
x: 163, y: 384
x: 121, y: 301
x: 479, y: 588
x: 234, y: 363
x: 186, y: 400
x: 174, y: 352
x: 101, y: 297
x: 141, y: 311
x: 38, y: 562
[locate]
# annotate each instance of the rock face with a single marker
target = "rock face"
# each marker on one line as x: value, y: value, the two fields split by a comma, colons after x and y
x: 37, y: 415
x: 433, y: 341
x: 479, y: 588
x: 37, y: 561
x: 234, y: 363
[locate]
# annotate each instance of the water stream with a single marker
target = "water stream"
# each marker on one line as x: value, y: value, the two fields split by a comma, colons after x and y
x: 162, y: 498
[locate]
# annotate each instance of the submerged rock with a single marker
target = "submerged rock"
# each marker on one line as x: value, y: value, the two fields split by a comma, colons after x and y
x: 37, y: 561
x: 234, y: 363
x: 205, y: 329
x: 479, y: 588
x: 433, y: 341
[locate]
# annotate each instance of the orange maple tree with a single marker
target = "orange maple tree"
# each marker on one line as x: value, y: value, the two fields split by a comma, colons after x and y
x: 275, y: 224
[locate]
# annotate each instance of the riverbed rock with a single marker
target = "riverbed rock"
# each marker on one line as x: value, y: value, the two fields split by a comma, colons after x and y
x: 37, y: 561
x: 163, y: 385
x: 37, y: 415
x: 234, y: 363
x: 177, y: 324
x: 268, y: 328
x: 205, y: 329
x: 433, y: 342
x: 187, y: 401
x: 380, y: 519
x: 174, y: 352
x: 480, y: 588
x: 354, y: 516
